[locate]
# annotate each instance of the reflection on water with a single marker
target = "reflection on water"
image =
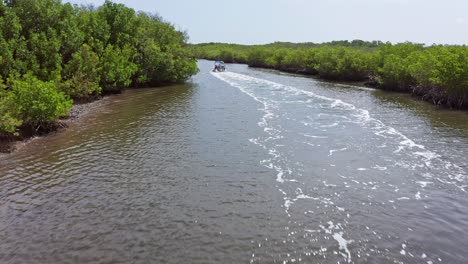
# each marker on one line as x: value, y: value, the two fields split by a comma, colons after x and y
x: 455, y: 122
x: 243, y: 166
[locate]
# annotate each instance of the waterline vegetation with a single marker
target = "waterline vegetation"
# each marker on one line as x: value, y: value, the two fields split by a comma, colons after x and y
x: 437, y: 73
x: 54, y: 53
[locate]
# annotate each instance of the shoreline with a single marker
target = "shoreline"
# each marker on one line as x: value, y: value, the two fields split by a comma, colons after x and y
x: 430, y: 97
x: 10, y: 143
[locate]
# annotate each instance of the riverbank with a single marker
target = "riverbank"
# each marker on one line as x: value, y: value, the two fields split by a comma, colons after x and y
x: 10, y: 143
x: 224, y: 170
x: 48, y: 62
x: 431, y: 95
x: 437, y: 73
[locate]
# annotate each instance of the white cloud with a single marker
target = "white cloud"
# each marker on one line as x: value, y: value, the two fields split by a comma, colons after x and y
x: 460, y: 20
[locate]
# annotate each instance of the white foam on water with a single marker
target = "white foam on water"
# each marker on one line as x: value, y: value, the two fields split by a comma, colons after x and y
x: 289, y: 201
x: 329, y: 229
x: 312, y: 136
x: 417, y: 196
x: 424, y: 183
x: 341, y: 209
x: 335, y: 150
x: 250, y: 85
x: 380, y: 168
x: 427, y: 156
x: 328, y: 185
x: 337, y: 234
x: 330, y: 125
x: 269, y: 114
x: 303, y: 196
x: 343, y: 244
x: 279, y: 176
x: 264, y: 92
x: 403, y: 251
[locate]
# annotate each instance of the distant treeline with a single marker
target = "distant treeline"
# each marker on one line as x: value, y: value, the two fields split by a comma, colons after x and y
x: 437, y: 73
x: 51, y: 53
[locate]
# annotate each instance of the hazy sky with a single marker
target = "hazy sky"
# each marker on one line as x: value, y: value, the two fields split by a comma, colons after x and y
x: 264, y: 21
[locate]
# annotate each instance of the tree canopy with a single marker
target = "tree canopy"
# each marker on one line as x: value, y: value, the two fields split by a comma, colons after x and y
x: 438, y: 73
x: 53, y: 52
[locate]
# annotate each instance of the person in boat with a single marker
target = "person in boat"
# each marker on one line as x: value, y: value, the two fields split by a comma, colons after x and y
x: 219, y: 66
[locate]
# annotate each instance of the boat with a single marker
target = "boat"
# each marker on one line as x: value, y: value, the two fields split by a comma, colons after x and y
x: 219, y: 66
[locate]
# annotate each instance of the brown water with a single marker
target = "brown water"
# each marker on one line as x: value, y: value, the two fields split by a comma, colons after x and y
x: 239, y: 167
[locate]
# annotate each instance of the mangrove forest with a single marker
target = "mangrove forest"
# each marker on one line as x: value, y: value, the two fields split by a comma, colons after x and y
x: 54, y: 53
x: 437, y: 73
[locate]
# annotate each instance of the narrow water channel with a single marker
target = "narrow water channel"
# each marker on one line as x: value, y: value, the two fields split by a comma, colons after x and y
x: 245, y: 166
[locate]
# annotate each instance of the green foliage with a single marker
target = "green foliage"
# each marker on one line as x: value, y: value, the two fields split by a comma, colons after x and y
x: 10, y: 29
x: 441, y: 66
x: 161, y: 56
x: 394, y: 73
x: 299, y: 59
x: 45, y: 59
x: 438, y: 73
x: 441, y: 70
x: 342, y: 63
x: 274, y: 60
x: 95, y: 29
x: 51, y: 51
x: 82, y: 74
x: 121, y: 21
x: 236, y: 53
x: 37, y: 102
x: 393, y: 66
x: 258, y: 57
x: 229, y: 53
x: 8, y: 123
x: 117, y: 68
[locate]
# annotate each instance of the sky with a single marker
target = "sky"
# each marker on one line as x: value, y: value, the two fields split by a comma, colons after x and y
x: 266, y: 21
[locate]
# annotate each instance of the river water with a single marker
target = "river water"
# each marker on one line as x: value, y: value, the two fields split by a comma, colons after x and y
x: 245, y: 166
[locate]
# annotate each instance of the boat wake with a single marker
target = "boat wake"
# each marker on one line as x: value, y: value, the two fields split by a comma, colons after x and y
x: 303, y: 130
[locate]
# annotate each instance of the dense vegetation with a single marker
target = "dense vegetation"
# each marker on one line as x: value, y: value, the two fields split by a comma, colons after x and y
x: 437, y: 73
x: 52, y: 53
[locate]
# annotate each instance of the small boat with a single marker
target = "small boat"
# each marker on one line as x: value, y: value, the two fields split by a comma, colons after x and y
x: 219, y: 66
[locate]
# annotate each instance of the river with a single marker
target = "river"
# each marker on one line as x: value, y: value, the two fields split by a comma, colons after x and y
x: 245, y: 166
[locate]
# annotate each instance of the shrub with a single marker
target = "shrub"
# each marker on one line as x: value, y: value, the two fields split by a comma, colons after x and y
x: 37, y: 102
